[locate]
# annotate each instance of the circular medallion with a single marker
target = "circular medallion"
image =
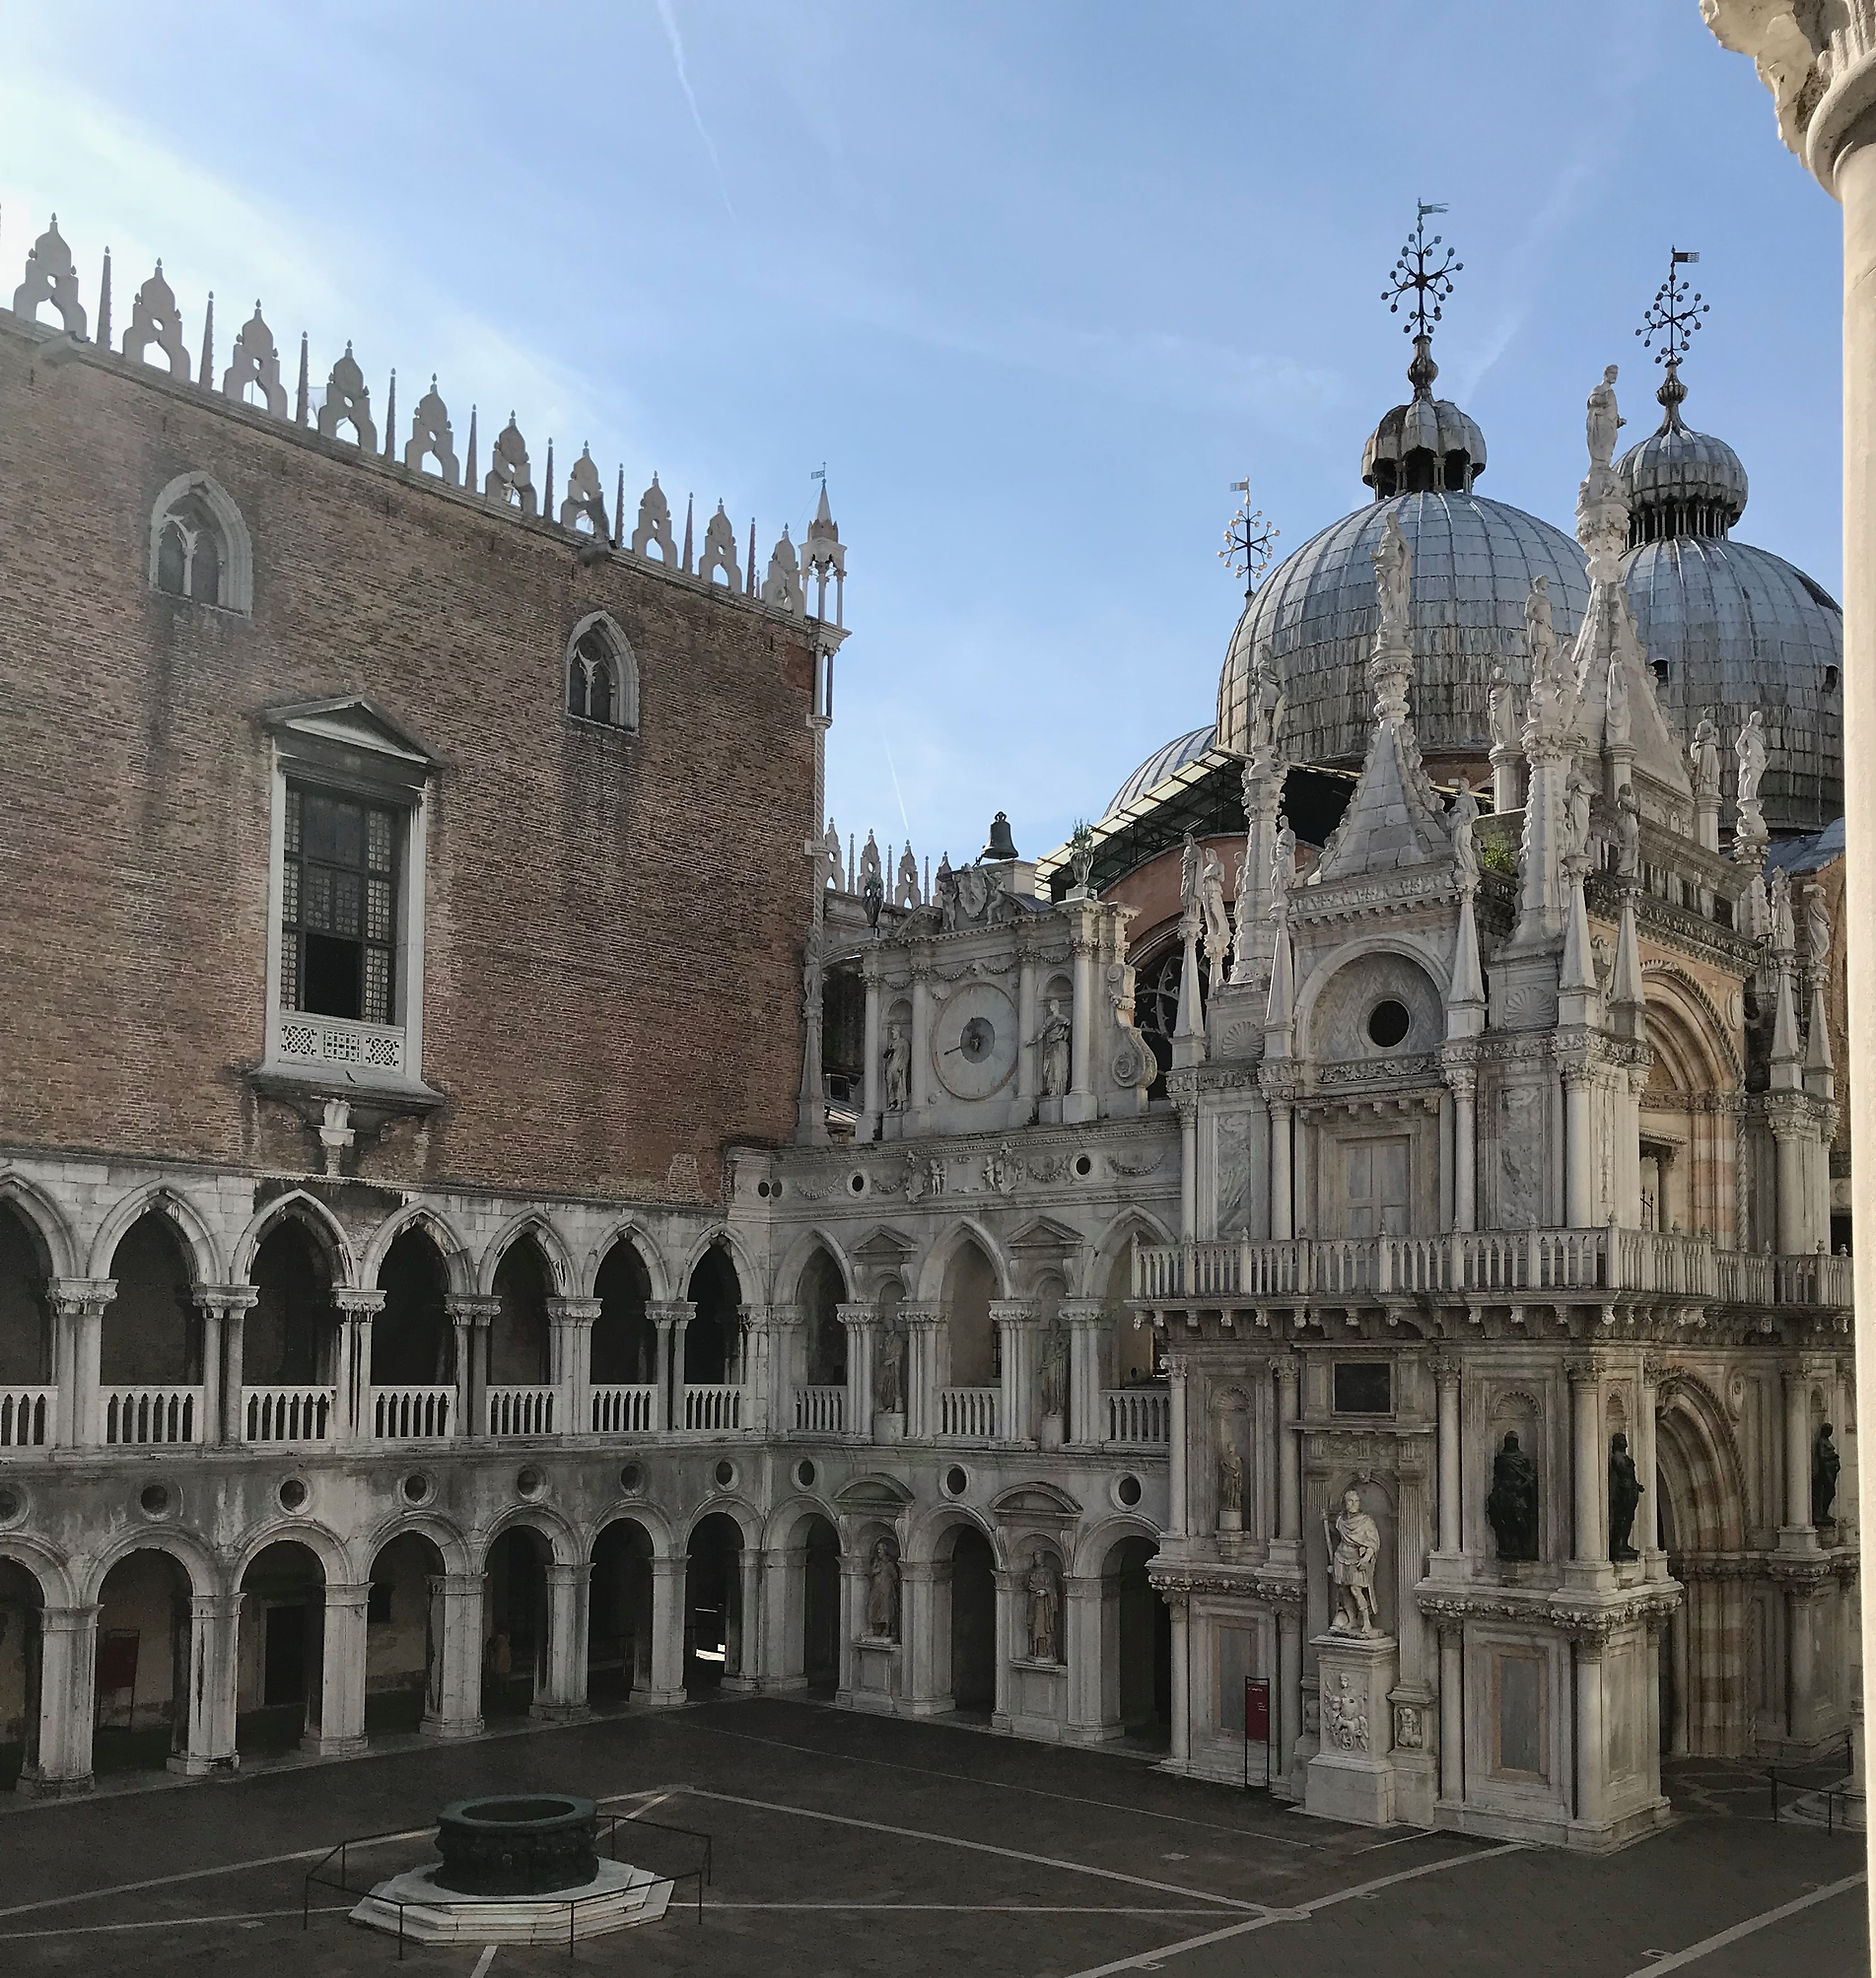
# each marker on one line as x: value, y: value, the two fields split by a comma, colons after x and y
x: 973, y: 1041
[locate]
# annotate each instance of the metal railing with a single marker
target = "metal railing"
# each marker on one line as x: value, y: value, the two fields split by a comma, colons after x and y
x: 1472, y: 1261
x: 968, y: 1411
x: 704, y: 1873
x: 286, y: 1414
x: 623, y: 1408
x: 521, y: 1410
x: 412, y: 1414
x: 151, y: 1414
x: 821, y: 1410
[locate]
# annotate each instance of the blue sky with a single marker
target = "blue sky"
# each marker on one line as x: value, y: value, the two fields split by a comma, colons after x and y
x: 1036, y: 281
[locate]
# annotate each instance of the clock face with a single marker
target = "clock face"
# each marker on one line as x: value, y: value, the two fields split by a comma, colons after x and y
x: 973, y: 1041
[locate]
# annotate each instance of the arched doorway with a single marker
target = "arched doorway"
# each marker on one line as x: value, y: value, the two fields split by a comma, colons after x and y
x: 141, y: 1674
x: 150, y: 1341
x: 401, y: 1646
x: 619, y: 1605
x: 26, y: 1355
x: 973, y: 1620
x: 22, y: 1606
x: 515, y: 1622
x: 1715, y: 1671
x: 280, y: 1660
x: 820, y: 1608
x: 713, y: 1603
x: 1136, y: 1646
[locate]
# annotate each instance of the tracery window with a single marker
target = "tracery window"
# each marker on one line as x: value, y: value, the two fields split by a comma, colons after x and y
x: 602, y: 676
x: 338, y: 920
x: 199, y: 546
x: 1156, y: 1008
x: 188, y: 554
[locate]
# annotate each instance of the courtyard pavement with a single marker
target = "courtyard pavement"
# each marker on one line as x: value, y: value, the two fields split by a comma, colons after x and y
x: 848, y: 1846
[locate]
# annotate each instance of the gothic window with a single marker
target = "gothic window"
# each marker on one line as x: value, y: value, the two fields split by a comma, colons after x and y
x: 338, y: 919
x: 602, y: 676
x: 199, y: 546
x: 1156, y: 1008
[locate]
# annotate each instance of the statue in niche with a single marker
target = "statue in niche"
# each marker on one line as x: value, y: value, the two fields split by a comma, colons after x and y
x: 1817, y: 928
x: 1354, y: 1547
x: 897, y: 1065
x: 1825, y: 1463
x: 1625, y: 1494
x: 1511, y: 1509
x: 1616, y: 714
x: 889, y: 1374
x: 1704, y: 754
x: 1393, y: 575
x: 1230, y: 1485
x: 1465, y: 849
x: 1502, y: 711
x: 1603, y: 421
x: 1052, y: 1049
x: 882, y: 1593
x: 1052, y: 1374
x: 1216, y: 919
x: 1044, y: 1588
x: 1749, y: 749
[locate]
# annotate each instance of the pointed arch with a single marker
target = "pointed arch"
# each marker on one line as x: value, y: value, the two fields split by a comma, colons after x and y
x: 199, y: 544
x: 1699, y: 1467
x: 553, y: 1249
x: 601, y: 672
x: 931, y: 1273
x: 1677, y: 999
x: 788, y: 1275
x: 1116, y: 1241
x: 749, y: 1276
x: 628, y: 1229
x: 457, y: 1262
x: 321, y: 1224
x: 159, y: 1198
x: 45, y: 1219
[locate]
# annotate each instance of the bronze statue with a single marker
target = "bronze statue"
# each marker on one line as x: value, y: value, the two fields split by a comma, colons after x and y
x: 1625, y: 1494
x: 1511, y: 1509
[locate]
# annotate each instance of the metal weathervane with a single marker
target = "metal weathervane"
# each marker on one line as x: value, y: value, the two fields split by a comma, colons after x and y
x: 1250, y: 541
x: 1425, y: 272
x: 1674, y: 315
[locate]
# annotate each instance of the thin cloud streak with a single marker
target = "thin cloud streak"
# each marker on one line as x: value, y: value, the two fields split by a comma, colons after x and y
x: 668, y: 16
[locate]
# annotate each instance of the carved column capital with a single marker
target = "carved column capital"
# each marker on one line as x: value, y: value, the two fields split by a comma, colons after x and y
x: 1446, y: 1369
x: 574, y: 1310
x: 670, y: 1311
x: 466, y: 1310
x: 351, y: 1304
x: 81, y: 1297
x: 1584, y: 1372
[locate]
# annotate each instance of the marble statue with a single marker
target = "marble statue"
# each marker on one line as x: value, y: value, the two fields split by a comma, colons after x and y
x: 1502, y: 707
x: 1784, y: 933
x: 1465, y: 846
x: 889, y: 1374
x: 1511, y: 1509
x: 882, y: 1593
x: 1628, y: 830
x: 1266, y: 711
x: 1052, y: 1373
x: 1189, y: 875
x: 1625, y: 1494
x: 1817, y: 928
x: 1750, y: 750
x: 1825, y: 1463
x: 1540, y: 633
x: 1603, y: 421
x: 811, y: 973
x: 1217, y: 920
x: 944, y: 888
x: 1230, y: 1485
x: 872, y: 897
x: 1354, y: 1547
x: 1704, y: 754
x: 1575, y: 834
x: 1615, y: 726
x: 1052, y: 1048
x: 1393, y: 575
x: 897, y: 1067
x: 1283, y: 861
x: 1044, y: 1587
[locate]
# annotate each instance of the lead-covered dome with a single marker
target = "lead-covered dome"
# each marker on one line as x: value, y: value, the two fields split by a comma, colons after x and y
x: 1680, y: 482
x: 1313, y: 622
x: 1162, y: 763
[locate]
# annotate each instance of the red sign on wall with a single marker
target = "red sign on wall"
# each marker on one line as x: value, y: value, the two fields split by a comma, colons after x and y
x: 1257, y: 1710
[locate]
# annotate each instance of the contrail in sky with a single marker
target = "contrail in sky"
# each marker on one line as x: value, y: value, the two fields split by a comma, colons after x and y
x: 669, y: 18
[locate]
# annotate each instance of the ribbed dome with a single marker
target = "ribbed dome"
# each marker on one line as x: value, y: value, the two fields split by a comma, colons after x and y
x: 1740, y: 628
x: 1160, y: 765
x: 1314, y: 618
x: 1425, y: 444
x: 1679, y: 482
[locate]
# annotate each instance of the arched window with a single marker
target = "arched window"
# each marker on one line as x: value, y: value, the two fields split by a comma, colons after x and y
x: 199, y: 546
x: 602, y: 675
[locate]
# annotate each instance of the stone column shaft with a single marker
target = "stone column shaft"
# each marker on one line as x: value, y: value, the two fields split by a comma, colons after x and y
x: 1177, y: 1478
x: 453, y: 1702
x: 869, y: 1086
x: 667, y: 1631
x: 567, y: 1625
x: 1465, y: 1157
x: 1589, y: 1474
x: 1289, y: 1454
x: 1282, y: 1222
x: 341, y: 1726
x: 1451, y: 1541
x: 68, y: 1641
x: 1452, y: 1717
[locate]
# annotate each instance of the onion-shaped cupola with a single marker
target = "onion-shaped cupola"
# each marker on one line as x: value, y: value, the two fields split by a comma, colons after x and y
x: 1427, y: 446
x: 1680, y: 482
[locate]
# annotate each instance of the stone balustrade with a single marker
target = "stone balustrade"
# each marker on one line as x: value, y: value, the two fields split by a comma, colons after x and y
x: 716, y: 1405
x: 1485, y: 1262
x: 1137, y: 1417
x: 411, y: 1414
x: 295, y: 1413
x: 520, y: 1409
x: 623, y: 1408
x: 820, y: 1410
x: 968, y: 1412
x: 151, y: 1416
x: 27, y: 1416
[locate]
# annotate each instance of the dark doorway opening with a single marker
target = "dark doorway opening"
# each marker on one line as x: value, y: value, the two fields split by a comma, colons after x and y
x: 973, y: 1622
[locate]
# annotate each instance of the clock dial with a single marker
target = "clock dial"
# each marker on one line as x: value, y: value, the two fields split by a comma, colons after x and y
x: 974, y: 1041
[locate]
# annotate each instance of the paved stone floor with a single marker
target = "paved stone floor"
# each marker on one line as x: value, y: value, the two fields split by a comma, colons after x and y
x: 849, y: 1845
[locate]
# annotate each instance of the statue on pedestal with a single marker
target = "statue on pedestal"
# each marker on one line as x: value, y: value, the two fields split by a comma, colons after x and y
x: 1817, y: 929
x: 1217, y: 921
x: 1503, y: 713
x: 1354, y: 1547
x: 1704, y: 752
x: 1749, y: 748
x: 1044, y: 1588
x: 1465, y: 848
x: 882, y: 1593
x: 1625, y: 1494
x: 1825, y: 1463
x: 1230, y: 1486
x: 1052, y: 1048
x: 1052, y: 1374
x: 889, y: 1375
x: 1511, y: 1509
x: 1603, y: 421
x: 897, y: 1064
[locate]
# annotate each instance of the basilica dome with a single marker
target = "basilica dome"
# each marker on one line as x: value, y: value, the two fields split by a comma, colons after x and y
x: 1162, y: 763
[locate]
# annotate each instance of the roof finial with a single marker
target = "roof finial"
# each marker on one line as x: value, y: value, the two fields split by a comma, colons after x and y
x: 1250, y: 541
x: 1671, y: 320
x: 1424, y: 270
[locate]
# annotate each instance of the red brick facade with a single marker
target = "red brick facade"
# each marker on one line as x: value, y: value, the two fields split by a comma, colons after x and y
x: 613, y: 928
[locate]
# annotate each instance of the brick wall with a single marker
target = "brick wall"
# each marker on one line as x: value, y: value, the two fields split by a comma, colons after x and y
x: 612, y: 963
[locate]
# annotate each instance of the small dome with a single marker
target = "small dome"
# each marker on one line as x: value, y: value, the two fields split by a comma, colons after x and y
x: 1679, y: 482
x: 1313, y: 621
x: 1160, y: 765
x: 1728, y: 628
x: 1426, y: 444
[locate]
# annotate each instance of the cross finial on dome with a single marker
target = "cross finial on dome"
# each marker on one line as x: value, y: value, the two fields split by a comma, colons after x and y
x: 1424, y: 270
x: 1668, y: 326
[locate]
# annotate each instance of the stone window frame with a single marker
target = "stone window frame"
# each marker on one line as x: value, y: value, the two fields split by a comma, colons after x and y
x: 353, y: 749
x: 235, y: 544
x: 625, y: 699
